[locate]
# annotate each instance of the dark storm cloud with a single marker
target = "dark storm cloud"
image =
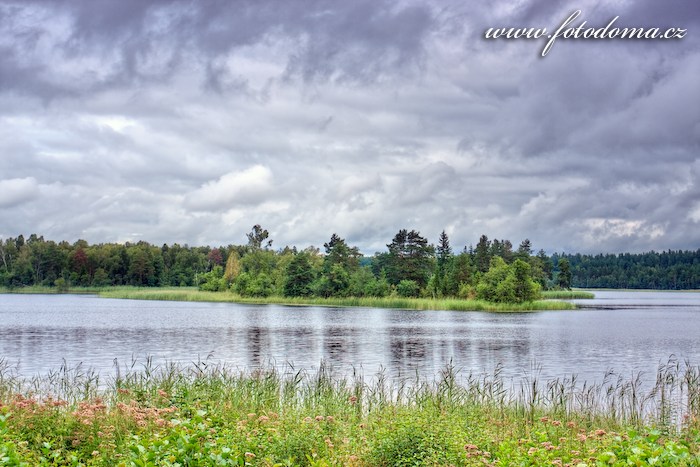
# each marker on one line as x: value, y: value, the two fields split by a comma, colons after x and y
x: 191, y: 121
x: 129, y: 43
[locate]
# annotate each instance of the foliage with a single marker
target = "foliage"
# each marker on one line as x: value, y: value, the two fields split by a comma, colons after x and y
x: 410, y: 258
x: 206, y: 414
x: 257, y: 237
x: 504, y: 283
x: 392, y: 301
x: 408, y: 288
x: 564, y: 276
x: 255, y: 270
x: 213, y: 281
x: 233, y: 267
x: 667, y: 270
x: 299, y: 276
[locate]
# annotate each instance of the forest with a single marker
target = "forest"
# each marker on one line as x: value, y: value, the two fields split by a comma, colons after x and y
x: 411, y: 266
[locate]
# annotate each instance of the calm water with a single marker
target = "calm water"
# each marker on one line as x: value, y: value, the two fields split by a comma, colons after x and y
x: 627, y: 332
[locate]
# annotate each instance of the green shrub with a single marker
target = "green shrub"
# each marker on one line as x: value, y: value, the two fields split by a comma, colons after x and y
x: 408, y: 288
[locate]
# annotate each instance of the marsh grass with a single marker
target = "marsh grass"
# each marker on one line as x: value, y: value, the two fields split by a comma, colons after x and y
x: 42, y: 289
x: 208, y: 414
x: 567, y: 294
x: 191, y: 294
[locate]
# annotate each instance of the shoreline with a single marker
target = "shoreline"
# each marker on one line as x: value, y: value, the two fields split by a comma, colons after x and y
x: 551, y: 300
x: 416, y: 304
x: 203, y: 415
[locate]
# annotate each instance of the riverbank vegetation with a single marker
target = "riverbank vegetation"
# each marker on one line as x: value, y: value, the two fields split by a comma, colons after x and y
x: 567, y: 295
x: 192, y: 294
x: 207, y: 415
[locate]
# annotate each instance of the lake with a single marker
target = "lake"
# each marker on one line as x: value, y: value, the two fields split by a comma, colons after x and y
x: 627, y: 332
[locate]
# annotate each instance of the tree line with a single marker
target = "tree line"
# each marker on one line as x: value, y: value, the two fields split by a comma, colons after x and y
x: 410, y: 266
x: 667, y: 270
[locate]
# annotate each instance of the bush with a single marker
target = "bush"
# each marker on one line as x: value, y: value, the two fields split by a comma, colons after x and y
x: 504, y: 283
x: 213, y: 281
x: 415, y: 441
x: 408, y: 288
x: 260, y: 285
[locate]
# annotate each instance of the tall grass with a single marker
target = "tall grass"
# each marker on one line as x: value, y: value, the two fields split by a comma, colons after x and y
x: 567, y: 294
x: 44, y: 289
x: 208, y: 414
x: 190, y: 294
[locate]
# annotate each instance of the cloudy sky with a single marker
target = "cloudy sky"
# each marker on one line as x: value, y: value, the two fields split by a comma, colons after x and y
x: 180, y: 121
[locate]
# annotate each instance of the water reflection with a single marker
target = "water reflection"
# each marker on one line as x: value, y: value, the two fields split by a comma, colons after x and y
x: 39, y: 332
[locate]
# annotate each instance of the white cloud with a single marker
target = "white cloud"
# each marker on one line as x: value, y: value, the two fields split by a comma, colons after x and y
x: 16, y: 191
x: 251, y: 186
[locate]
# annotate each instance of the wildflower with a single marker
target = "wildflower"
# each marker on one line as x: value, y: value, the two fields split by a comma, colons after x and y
x: 556, y: 423
x: 330, y: 419
x: 571, y: 425
x: 544, y: 419
x: 249, y: 455
x: 531, y: 451
x: 600, y: 432
x: 163, y: 394
x: 307, y: 420
x: 470, y: 447
x: 329, y: 443
x: 352, y: 399
x: 95, y: 453
x: 263, y: 419
x: 319, y: 418
x: 582, y: 437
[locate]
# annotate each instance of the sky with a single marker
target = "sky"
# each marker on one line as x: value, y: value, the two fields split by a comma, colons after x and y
x: 175, y: 121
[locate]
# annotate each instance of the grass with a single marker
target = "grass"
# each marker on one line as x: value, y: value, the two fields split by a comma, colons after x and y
x: 191, y: 294
x: 208, y: 415
x: 567, y: 294
x: 42, y: 289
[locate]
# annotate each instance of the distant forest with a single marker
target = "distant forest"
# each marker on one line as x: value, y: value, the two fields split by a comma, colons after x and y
x: 411, y: 266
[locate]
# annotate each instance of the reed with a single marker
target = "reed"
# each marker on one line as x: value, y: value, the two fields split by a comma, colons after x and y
x: 208, y: 414
x: 43, y: 289
x: 190, y: 294
x: 567, y: 294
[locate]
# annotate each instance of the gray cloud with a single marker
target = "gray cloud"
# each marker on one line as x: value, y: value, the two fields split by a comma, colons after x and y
x: 173, y: 121
x: 16, y: 191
